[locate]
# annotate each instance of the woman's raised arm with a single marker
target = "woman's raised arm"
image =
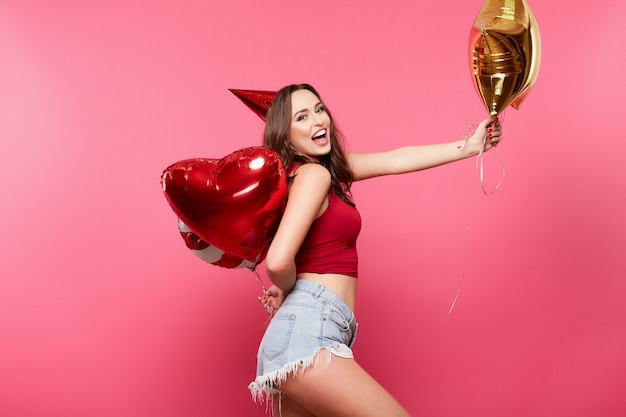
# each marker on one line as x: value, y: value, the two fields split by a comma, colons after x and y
x: 419, y: 157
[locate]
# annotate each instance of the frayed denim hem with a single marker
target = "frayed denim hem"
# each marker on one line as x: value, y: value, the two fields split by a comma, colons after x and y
x: 265, y: 387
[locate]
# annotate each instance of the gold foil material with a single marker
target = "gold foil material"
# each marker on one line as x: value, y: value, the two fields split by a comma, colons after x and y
x: 505, y: 53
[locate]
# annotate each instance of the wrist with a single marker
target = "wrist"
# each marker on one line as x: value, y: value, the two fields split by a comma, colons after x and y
x: 467, y: 148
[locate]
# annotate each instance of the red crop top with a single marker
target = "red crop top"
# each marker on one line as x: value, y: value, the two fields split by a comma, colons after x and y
x: 330, y: 245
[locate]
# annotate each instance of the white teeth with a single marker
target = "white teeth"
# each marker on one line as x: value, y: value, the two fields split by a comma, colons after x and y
x: 319, y: 134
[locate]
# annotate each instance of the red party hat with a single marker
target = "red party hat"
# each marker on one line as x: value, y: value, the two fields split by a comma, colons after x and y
x: 258, y: 101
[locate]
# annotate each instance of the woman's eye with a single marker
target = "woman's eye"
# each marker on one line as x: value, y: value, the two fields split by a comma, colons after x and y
x: 301, y: 117
x: 320, y: 109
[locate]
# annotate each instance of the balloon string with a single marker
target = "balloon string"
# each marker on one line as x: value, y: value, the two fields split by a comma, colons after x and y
x: 269, y: 316
x: 458, y: 289
x: 470, y: 129
x: 258, y: 277
x: 480, y: 167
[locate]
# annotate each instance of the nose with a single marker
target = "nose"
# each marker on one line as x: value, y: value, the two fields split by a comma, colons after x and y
x: 317, y: 119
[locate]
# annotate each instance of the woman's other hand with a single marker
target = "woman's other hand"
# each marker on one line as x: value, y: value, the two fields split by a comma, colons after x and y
x: 272, y: 299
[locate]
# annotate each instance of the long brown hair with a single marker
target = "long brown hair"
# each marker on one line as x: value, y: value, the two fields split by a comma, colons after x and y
x: 276, y: 137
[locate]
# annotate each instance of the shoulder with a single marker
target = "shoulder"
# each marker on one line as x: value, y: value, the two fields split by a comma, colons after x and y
x: 310, y: 172
x: 310, y: 184
x: 308, y: 193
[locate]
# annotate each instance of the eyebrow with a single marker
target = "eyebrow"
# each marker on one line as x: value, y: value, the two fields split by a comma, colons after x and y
x: 306, y: 110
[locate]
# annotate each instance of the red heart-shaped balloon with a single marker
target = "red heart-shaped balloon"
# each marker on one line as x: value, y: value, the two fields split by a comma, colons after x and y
x: 209, y: 253
x: 234, y: 203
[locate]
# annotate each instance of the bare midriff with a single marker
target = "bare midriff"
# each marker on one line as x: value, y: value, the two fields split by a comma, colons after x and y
x: 342, y: 285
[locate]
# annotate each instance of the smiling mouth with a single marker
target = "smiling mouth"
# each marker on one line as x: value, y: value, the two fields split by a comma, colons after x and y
x: 319, y: 135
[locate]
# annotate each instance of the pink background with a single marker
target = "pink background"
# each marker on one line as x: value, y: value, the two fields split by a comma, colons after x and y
x: 104, y: 312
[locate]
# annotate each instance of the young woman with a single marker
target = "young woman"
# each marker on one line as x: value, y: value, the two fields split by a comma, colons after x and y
x: 305, y: 364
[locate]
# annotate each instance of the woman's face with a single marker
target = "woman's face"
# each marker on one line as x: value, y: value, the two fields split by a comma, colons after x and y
x: 309, y: 131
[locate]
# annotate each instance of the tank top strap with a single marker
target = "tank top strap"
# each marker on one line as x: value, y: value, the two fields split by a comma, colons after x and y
x: 293, y: 167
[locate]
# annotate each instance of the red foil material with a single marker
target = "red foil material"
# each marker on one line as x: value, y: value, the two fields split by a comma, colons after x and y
x: 257, y: 100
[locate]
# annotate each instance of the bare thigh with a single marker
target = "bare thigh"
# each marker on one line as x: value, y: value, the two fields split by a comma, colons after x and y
x: 339, y: 389
x: 287, y: 407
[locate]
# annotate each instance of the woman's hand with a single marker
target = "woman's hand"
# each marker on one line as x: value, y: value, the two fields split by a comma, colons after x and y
x: 272, y: 299
x: 487, y: 135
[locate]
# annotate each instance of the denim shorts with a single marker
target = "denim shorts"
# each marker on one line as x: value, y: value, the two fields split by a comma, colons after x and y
x: 311, y: 318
